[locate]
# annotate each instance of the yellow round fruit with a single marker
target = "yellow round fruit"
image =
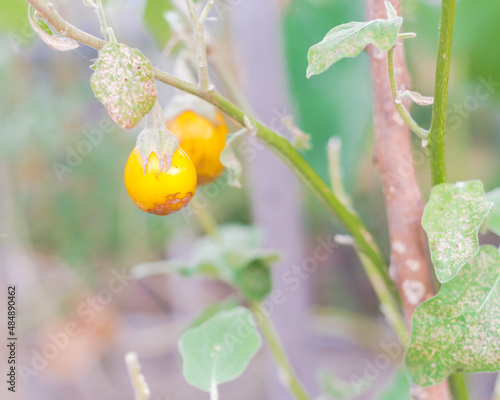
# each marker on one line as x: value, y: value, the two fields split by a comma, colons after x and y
x: 160, y: 192
x: 203, y: 141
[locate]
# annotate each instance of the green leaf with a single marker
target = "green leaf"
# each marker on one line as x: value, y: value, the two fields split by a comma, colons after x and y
x: 155, y: 22
x: 493, y: 222
x: 398, y: 389
x: 220, y: 349
x: 123, y: 81
x: 348, y: 40
x: 459, y: 329
x: 254, y: 280
x: 452, y: 218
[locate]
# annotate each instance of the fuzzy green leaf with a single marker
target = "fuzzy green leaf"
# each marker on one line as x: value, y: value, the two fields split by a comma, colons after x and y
x: 123, y: 81
x: 452, y: 219
x: 459, y: 329
x: 220, y: 349
x: 349, y: 40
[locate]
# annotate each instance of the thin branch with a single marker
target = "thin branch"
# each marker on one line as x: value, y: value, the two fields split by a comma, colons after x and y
x: 106, y: 32
x: 206, y: 10
x: 403, y: 112
x: 287, y: 375
x: 201, y: 50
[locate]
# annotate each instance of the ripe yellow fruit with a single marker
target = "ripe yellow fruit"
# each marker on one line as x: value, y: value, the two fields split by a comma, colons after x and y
x: 203, y: 140
x: 160, y: 192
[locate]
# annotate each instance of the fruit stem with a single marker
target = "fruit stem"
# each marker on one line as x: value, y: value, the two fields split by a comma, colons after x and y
x: 156, y: 138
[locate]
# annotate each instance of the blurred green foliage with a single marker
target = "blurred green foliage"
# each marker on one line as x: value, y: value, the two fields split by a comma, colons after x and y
x: 13, y: 17
x: 154, y: 21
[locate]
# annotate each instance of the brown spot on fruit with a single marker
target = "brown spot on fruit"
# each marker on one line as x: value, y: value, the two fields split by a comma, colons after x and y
x: 173, y: 203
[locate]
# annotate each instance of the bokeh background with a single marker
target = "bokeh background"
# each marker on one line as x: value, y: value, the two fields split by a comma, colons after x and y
x: 65, y: 235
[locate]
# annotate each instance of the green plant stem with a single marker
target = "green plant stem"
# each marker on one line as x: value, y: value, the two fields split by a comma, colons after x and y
x: 403, y: 112
x: 105, y: 31
x: 436, y: 143
x: 333, y: 149
x: 285, y: 370
x: 206, y: 10
x: 201, y: 50
x: 458, y: 389
x: 376, y: 269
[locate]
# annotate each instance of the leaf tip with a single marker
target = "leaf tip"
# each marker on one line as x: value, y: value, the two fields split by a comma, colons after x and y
x: 391, y: 12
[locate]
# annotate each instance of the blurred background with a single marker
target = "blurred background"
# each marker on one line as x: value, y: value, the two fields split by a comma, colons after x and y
x: 68, y: 229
